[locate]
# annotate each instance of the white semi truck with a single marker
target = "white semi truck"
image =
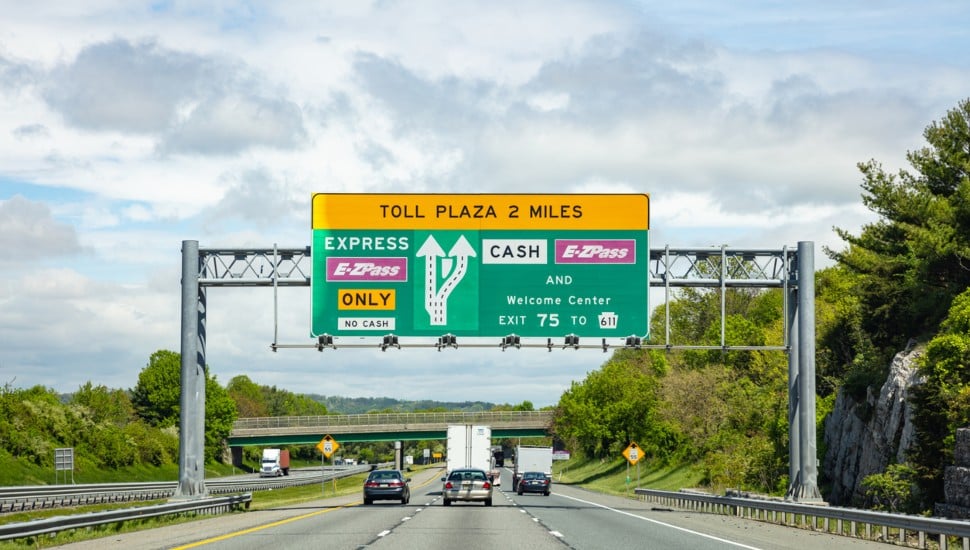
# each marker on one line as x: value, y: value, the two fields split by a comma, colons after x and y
x: 469, y: 446
x: 276, y: 462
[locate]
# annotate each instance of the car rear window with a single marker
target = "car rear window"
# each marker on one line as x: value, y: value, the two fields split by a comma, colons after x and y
x: 456, y: 476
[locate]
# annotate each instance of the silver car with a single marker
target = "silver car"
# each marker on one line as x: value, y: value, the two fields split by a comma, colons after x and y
x: 466, y: 484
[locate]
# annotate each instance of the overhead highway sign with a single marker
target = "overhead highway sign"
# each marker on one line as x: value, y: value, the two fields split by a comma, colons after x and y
x: 480, y: 265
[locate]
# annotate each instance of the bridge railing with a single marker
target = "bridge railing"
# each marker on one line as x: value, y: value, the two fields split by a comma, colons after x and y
x: 351, y: 420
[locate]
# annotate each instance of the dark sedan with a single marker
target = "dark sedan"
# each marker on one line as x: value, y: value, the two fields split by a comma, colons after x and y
x: 534, y: 482
x: 387, y: 485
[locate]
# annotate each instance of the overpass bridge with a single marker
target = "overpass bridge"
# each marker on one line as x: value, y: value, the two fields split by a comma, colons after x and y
x: 353, y: 428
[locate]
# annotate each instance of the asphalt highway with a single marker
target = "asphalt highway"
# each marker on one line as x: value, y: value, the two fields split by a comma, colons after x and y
x: 570, y: 518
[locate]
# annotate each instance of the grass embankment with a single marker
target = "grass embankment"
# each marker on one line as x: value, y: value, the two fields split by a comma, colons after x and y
x: 617, y: 478
x: 15, y: 473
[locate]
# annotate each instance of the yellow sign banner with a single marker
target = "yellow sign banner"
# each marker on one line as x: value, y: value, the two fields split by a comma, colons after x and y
x: 341, y: 211
x: 366, y: 298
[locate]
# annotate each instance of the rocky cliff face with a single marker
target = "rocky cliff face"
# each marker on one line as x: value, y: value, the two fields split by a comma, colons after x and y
x: 863, y: 438
x: 956, y: 481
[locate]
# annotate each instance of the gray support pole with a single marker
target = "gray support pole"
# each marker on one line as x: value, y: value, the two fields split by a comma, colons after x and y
x: 794, y: 431
x: 808, y: 473
x: 200, y: 390
x: 192, y: 414
x: 723, y: 295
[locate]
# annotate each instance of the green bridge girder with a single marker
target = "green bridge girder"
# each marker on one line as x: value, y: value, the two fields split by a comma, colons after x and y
x: 363, y: 437
x: 362, y: 428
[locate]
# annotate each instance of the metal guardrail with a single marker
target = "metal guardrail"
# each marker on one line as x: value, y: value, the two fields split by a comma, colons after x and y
x: 64, y: 523
x: 352, y: 420
x: 897, y: 529
x: 33, y: 497
x: 43, y: 497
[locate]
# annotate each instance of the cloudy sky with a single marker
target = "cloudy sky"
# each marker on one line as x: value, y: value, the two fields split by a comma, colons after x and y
x: 127, y: 127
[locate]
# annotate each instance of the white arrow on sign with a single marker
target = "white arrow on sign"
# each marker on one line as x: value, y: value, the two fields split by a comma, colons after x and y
x: 455, y: 265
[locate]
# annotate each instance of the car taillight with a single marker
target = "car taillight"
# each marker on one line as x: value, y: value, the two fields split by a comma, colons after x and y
x: 486, y: 485
x: 545, y: 481
x: 448, y: 485
x: 371, y: 484
x: 395, y: 483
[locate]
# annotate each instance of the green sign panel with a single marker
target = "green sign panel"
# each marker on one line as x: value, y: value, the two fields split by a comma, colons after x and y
x: 480, y: 265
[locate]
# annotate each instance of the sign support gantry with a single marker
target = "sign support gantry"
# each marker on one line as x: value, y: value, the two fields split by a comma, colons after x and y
x: 721, y: 268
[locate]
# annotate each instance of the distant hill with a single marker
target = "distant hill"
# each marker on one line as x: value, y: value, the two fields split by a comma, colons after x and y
x: 360, y: 405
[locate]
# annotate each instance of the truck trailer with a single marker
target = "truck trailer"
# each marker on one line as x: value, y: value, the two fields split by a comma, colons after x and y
x: 469, y: 447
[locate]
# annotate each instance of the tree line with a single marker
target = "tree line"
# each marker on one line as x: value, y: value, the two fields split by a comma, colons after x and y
x: 114, y: 428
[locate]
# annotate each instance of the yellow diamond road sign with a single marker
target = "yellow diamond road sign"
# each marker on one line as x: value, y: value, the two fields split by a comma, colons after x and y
x: 633, y: 453
x: 328, y: 446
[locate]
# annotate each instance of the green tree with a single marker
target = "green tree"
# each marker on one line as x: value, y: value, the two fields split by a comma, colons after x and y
x: 942, y: 401
x: 220, y: 413
x: 157, y: 400
x: 248, y: 397
x: 158, y: 393
x: 285, y: 403
x: 612, y: 407
x: 916, y: 256
x: 523, y: 406
x: 846, y: 356
x: 891, y: 490
x: 33, y: 423
x: 105, y: 405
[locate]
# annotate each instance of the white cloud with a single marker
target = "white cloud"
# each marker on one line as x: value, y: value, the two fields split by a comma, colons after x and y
x: 29, y: 233
x: 126, y: 129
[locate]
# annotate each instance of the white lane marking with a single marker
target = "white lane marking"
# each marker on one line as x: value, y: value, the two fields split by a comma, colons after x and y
x: 555, y: 534
x: 699, y: 534
x: 384, y: 533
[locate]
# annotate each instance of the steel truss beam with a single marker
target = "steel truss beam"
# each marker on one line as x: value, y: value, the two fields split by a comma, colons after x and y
x: 670, y: 268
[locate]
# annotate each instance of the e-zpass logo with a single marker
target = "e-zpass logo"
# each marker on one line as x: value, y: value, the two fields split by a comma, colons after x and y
x: 596, y: 251
x: 367, y: 269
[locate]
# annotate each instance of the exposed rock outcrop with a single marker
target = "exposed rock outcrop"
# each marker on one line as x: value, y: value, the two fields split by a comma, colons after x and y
x: 956, y: 481
x: 864, y: 438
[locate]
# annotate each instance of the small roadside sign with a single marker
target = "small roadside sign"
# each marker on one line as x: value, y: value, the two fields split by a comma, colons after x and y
x: 328, y: 446
x: 633, y: 453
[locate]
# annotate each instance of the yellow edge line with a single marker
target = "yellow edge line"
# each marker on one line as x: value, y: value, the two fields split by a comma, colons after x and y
x: 261, y: 527
x: 276, y: 523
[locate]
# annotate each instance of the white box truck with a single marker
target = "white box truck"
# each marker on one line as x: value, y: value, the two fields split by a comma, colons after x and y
x: 531, y: 459
x: 469, y: 447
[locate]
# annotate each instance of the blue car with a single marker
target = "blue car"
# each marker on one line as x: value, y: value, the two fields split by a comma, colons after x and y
x: 534, y: 482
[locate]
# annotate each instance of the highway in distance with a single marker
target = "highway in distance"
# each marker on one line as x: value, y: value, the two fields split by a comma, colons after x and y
x: 569, y: 518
